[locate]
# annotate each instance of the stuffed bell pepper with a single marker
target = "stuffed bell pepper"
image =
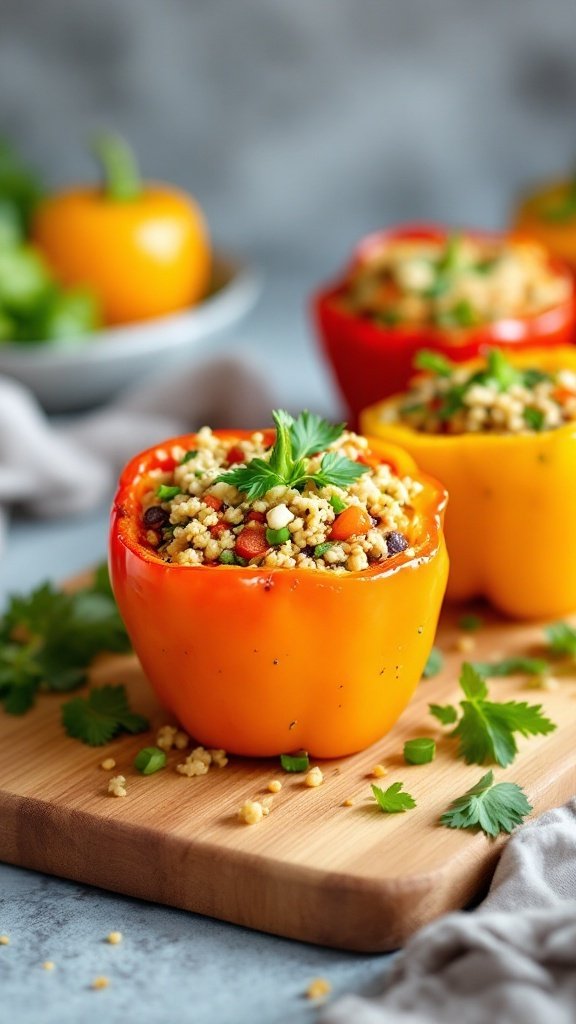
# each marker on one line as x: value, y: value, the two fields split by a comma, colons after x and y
x: 421, y: 287
x: 548, y: 214
x: 501, y: 435
x: 281, y: 588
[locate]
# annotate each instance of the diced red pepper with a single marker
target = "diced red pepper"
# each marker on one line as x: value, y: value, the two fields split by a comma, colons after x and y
x: 251, y: 542
x: 218, y: 529
x: 235, y: 455
x: 212, y: 502
x: 255, y: 517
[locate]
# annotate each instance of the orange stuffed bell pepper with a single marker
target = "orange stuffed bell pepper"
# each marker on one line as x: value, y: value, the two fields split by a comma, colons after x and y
x: 243, y: 626
x: 142, y: 248
x: 502, y: 437
x: 548, y: 214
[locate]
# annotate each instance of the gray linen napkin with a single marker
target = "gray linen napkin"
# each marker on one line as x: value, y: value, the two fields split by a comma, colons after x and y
x: 51, y: 469
x: 511, y: 961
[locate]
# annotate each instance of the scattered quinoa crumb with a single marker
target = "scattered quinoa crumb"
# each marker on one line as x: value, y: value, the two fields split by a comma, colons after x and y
x: 348, y: 802
x: 314, y: 778
x: 181, y: 740
x: 4, y: 940
x: 108, y: 764
x: 379, y: 771
x: 114, y: 938
x: 117, y: 786
x: 274, y: 786
x: 165, y: 737
x: 466, y: 644
x: 251, y: 812
x: 318, y: 989
x: 48, y: 965
x: 100, y: 982
x: 200, y: 760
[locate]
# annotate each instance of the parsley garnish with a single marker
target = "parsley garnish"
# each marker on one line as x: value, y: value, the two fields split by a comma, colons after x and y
x: 393, y: 800
x: 515, y: 665
x: 433, y: 362
x: 486, y: 728
x: 434, y: 664
x: 47, y: 640
x: 494, y: 808
x: 447, y: 714
x: 287, y: 464
x: 101, y: 715
x: 562, y: 637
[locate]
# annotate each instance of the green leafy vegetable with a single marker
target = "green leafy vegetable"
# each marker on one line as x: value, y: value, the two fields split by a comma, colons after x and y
x: 20, y: 188
x: 435, y: 663
x: 515, y: 665
x: 48, y: 640
x: 433, y: 362
x: 486, y: 730
x: 287, y: 464
x: 150, y: 760
x: 191, y: 454
x: 533, y: 418
x: 296, y: 762
x: 447, y: 714
x: 321, y: 549
x: 393, y: 800
x: 562, y: 638
x: 419, y: 751
x: 470, y: 623
x: 494, y: 808
x: 101, y: 715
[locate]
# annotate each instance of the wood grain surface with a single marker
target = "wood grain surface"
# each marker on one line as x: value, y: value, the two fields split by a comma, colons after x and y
x: 314, y: 870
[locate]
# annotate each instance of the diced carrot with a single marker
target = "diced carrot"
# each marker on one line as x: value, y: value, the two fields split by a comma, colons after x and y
x: 255, y: 517
x: 235, y: 455
x: 251, y: 542
x: 350, y: 523
x: 212, y: 502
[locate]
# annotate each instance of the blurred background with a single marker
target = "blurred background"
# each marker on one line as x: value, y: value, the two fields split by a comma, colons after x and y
x: 299, y: 126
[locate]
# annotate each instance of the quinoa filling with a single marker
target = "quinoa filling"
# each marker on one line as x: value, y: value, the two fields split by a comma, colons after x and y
x: 317, y: 498
x: 498, y: 398
x: 456, y: 284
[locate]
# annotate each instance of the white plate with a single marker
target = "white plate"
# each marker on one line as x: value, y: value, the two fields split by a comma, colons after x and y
x: 84, y: 371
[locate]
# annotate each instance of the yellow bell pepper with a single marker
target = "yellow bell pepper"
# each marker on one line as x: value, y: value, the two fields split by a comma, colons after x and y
x: 511, y: 517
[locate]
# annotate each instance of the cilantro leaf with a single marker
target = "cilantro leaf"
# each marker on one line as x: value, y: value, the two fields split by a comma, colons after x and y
x: 515, y: 665
x: 254, y: 479
x: 311, y: 434
x: 445, y: 713
x: 562, y: 637
x: 337, y: 470
x: 433, y: 362
x: 486, y: 729
x: 101, y: 715
x: 434, y: 664
x: 48, y: 640
x: 393, y: 800
x: 499, y: 370
x: 493, y: 808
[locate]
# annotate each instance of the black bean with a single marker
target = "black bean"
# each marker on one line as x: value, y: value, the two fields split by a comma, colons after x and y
x: 156, y: 517
x: 396, y: 542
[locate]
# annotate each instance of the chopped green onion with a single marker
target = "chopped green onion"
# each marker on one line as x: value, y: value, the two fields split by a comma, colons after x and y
x: 191, y: 454
x: 321, y: 549
x: 278, y: 536
x: 227, y: 557
x: 433, y: 362
x: 337, y: 504
x: 150, y: 760
x: 420, y: 751
x: 533, y: 418
x: 166, y: 493
x: 296, y: 762
x: 470, y: 623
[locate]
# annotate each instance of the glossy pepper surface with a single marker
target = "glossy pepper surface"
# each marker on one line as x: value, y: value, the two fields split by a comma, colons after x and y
x: 142, y: 248
x: 511, y: 519
x: 372, y: 361
x: 267, y: 661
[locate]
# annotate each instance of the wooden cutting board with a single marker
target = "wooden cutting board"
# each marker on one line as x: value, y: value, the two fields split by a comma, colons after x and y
x: 313, y: 870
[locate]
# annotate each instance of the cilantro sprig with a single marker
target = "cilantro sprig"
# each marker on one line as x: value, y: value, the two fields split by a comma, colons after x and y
x: 296, y: 441
x: 491, y: 807
x: 101, y: 715
x: 561, y: 637
x: 393, y: 800
x: 486, y: 730
x: 49, y: 639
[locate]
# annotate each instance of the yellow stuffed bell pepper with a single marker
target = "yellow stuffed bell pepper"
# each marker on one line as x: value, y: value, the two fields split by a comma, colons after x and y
x: 511, y: 517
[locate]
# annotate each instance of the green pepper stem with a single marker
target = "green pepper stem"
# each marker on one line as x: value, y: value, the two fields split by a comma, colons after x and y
x: 120, y: 174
